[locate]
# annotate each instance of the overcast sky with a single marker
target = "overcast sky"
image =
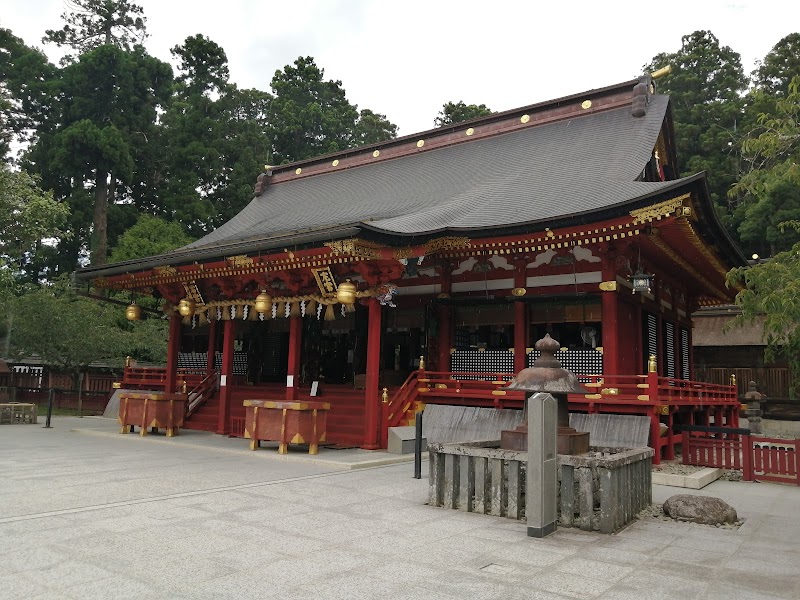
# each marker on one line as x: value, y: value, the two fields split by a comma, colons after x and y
x: 405, y: 59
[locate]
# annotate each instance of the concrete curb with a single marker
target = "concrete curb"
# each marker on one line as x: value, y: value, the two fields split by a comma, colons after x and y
x: 695, y: 481
x: 265, y: 453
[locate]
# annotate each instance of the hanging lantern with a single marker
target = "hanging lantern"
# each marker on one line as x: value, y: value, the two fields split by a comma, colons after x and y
x: 133, y: 312
x: 346, y: 293
x: 263, y: 302
x: 186, y: 307
x: 641, y: 282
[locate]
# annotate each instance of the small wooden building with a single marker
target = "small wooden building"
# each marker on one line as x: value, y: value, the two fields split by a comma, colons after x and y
x: 466, y: 244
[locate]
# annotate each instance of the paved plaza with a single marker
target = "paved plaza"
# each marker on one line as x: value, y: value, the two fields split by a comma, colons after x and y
x: 87, y: 513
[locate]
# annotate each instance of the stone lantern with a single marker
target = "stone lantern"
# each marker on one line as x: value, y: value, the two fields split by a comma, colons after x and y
x: 546, y: 375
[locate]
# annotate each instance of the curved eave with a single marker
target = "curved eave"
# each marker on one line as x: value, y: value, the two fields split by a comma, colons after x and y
x: 218, y: 251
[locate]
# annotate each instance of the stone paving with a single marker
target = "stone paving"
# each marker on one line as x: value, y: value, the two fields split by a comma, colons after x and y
x: 86, y: 513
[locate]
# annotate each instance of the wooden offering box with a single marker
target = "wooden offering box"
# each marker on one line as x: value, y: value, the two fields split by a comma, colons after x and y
x: 152, y: 410
x: 286, y: 422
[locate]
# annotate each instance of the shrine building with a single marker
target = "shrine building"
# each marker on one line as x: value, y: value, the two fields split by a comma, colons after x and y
x: 438, y: 259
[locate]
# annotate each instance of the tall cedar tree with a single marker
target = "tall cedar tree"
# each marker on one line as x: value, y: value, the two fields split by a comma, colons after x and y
x: 95, y: 23
x: 104, y: 113
x: 212, y: 142
x: 706, y: 86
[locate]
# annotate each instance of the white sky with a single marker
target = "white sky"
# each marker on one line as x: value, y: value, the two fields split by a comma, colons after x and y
x: 405, y: 59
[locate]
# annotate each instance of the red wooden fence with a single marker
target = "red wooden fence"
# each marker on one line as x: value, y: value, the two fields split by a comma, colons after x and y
x: 762, y: 459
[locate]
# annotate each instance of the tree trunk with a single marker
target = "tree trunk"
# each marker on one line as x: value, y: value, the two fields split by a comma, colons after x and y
x: 100, y: 222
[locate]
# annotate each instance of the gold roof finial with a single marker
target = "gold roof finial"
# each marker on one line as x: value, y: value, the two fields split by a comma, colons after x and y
x: 661, y: 72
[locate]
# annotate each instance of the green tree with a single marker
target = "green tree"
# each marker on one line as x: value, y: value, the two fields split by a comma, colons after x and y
x: 102, y: 117
x: 213, y: 142
x: 28, y: 216
x: 706, y: 86
x: 372, y: 128
x: 458, y: 112
x: 27, y: 83
x: 771, y: 186
x: 309, y: 115
x: 148, y: 237
x: 95, y: 23
x: 779, y: 67
x: 102, y: 124
x: 771, y: 290
x: 70, y: 332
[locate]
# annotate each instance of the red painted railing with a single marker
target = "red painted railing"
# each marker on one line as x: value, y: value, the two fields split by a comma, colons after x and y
x: 775, y: 460
x: 651, y: 395
x: 201, y: 392
x: 155, y: 378
x: 762, y: 459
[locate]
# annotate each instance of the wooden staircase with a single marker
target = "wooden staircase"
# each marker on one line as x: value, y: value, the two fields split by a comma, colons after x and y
x: 345, y: 418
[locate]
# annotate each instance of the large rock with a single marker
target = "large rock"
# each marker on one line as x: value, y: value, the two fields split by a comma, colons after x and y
x: 699, y: 509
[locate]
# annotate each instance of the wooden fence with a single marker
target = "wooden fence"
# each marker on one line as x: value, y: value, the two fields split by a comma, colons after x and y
x: 761, y: 459
x: 774, y: 382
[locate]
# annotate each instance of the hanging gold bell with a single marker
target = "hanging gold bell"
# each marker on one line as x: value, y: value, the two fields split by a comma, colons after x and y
x: 346, y: 293
x: 186, y: 307
x: 263, y: 302
x: 133, y: 312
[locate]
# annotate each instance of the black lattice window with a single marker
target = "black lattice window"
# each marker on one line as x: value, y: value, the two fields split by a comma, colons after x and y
x: 650, y: 335
x: 669, y: 348
x: 684, y: 353
x: 489, y: 361
x: 580, y: 362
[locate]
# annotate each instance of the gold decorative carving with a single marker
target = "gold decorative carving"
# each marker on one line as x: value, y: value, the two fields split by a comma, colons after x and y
x: 661, y: 209
x: 401, y: 253
x: 355, y: 247
x: 470, y: 131
x: 608, y: 286
x: 240, y: 260
x: 519, y: 291
x: 335, y: 163
x: 524, y: 119
x: 193, y: 293
x: 166, y: 271
x: 325, y: 281
x: 376, y: 154
x: 446, y: 243
x: 298, y: 170
x: 586, y: 104
x: 100, y: 282
x: 420, y: 143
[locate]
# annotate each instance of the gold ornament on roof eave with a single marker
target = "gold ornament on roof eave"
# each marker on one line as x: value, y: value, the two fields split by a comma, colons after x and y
x: 263, y: 302
x: 133, y: 312
x: 346, y: 293
x: 186, y: 307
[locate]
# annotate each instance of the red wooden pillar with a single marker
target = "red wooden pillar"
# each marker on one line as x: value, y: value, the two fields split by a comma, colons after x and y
x: 521, y: 329
x: 173, y: 348
x: 372, y: 396
x: 212, y: 346
x: 609, y: 301
x: 226, y: 376
x: 293, y: 367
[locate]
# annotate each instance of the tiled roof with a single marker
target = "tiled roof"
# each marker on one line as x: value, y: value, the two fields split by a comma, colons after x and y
x: 582, y: 164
